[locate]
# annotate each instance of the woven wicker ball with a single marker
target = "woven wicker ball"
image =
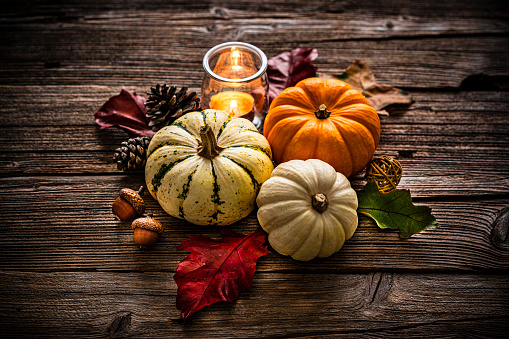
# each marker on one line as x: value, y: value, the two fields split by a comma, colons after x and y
x: 385, y: 172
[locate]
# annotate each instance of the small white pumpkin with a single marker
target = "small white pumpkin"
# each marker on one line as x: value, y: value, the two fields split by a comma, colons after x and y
x: 207, y: 167
x: 308, y: 209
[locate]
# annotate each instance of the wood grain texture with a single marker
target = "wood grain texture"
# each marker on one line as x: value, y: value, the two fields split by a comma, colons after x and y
x: 75, y: 105
x: 428, y: 173
x: 87, y: 60
x: 67, y: 224
x: 448, y: 143
x: 68, y: 269
x: 80, y: 44
x: 100, y: 304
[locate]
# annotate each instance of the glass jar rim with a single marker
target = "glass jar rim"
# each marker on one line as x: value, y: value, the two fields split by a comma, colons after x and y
x: 250, y: 47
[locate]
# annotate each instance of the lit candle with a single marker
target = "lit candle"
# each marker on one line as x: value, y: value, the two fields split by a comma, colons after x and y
x: 234, y: 109
x: 235, y: 80
x: 236, y: 104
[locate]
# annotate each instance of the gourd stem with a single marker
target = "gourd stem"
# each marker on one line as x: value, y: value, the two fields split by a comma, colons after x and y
x: 319, y: 202
x: 209, y: 147
x: 322, y: 112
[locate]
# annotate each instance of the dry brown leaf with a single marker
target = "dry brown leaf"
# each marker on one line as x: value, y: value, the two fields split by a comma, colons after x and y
x: 359, y: 76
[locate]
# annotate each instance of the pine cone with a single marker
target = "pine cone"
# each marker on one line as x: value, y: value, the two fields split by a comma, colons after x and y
x: 132, y: 155
x: 165, y: 105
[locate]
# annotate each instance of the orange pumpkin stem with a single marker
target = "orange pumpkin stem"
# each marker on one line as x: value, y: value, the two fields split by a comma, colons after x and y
x: 319, y: 202
x: 322, y: 112
x: 209, y: 147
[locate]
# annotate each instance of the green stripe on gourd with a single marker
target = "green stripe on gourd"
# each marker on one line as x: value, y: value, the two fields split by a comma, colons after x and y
x: 256, y: 184
x: 264, y: 150
x: 204, y: 116
x: 215, y: 116
x: 185, y: 192
x: 165, y: 168
x: 179, y: 124
x: 185, y: 188
x: 215, y: 187
x: 167, y: 144
x: 215, y: 196
x: 214, y: 216
x: 181, y: 212
x: 223, y: 126
x: 244, y: 129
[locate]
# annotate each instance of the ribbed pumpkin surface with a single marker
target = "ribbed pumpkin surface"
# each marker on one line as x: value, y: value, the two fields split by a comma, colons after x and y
x: 217, y: 191
x: 294, y: 225
x: 346, y: 139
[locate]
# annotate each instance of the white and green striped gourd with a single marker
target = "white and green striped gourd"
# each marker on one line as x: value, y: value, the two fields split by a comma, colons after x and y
x: 207, y: 167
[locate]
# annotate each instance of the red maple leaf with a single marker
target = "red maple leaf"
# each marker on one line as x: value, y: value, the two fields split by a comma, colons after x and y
x: 127, y: 111
x: 217, y: 270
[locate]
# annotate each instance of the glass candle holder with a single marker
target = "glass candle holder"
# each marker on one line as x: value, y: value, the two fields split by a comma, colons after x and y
x: 235, y: 81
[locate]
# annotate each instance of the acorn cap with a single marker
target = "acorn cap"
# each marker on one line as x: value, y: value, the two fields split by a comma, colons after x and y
x: 134, y: 199
x: 148, y: 223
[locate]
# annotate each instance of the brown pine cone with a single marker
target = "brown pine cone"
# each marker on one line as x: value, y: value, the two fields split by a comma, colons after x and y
x: 165, y: 105
x: 132, y: 155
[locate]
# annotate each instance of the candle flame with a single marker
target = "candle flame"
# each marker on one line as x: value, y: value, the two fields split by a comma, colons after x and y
x: 233, y: 107
x: 235, y: 56
x: 235, y: 59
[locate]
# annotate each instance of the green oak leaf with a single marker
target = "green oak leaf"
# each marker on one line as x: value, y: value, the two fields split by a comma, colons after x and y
x: 395, y: 210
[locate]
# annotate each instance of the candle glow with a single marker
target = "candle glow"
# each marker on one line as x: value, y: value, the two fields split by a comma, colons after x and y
x: 233, y: 85
x: 236, y: 104
x: 235, y: 59
x: 233, y: 108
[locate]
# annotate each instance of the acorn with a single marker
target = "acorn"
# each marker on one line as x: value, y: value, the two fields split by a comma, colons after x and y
x: 129, y: 204
x: 146, y: 231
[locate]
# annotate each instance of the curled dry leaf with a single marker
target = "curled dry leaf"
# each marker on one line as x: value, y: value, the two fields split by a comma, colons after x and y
x: 217, y: 270
x: 127, y: 111
x: 359, y: 76
x: 288, y: 68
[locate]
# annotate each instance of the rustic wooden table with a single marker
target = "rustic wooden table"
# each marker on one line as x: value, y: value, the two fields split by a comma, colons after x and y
x: 68, y: 269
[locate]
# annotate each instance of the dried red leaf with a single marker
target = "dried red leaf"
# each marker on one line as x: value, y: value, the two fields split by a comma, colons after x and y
x: 217, y: 270
x: 288, y: 68
x: 127, y: 111
x: 359, y: 76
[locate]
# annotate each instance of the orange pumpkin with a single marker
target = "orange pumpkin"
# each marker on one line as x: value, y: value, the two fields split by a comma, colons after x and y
x: 326, y: 120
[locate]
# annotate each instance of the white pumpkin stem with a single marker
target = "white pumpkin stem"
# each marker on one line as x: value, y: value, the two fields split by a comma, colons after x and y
x: 322, y: 112
x: 319, y: 202
x: 209, y: 147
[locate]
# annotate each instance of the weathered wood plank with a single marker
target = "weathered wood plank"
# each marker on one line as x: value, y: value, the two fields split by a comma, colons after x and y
x: 63, y: 105
x: 95, y: 58
x: 448, y: 143
x: 463, y: 120
x: 65, y: 223
x: 380, y: 19
x: 52, y: 163
x: 70, y: 10
x: 99, y: 304
x: 69, y: 270
x: 419, y: 137
x: 222, y: 22
x: 172, y: 39
x: 428, y: 172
